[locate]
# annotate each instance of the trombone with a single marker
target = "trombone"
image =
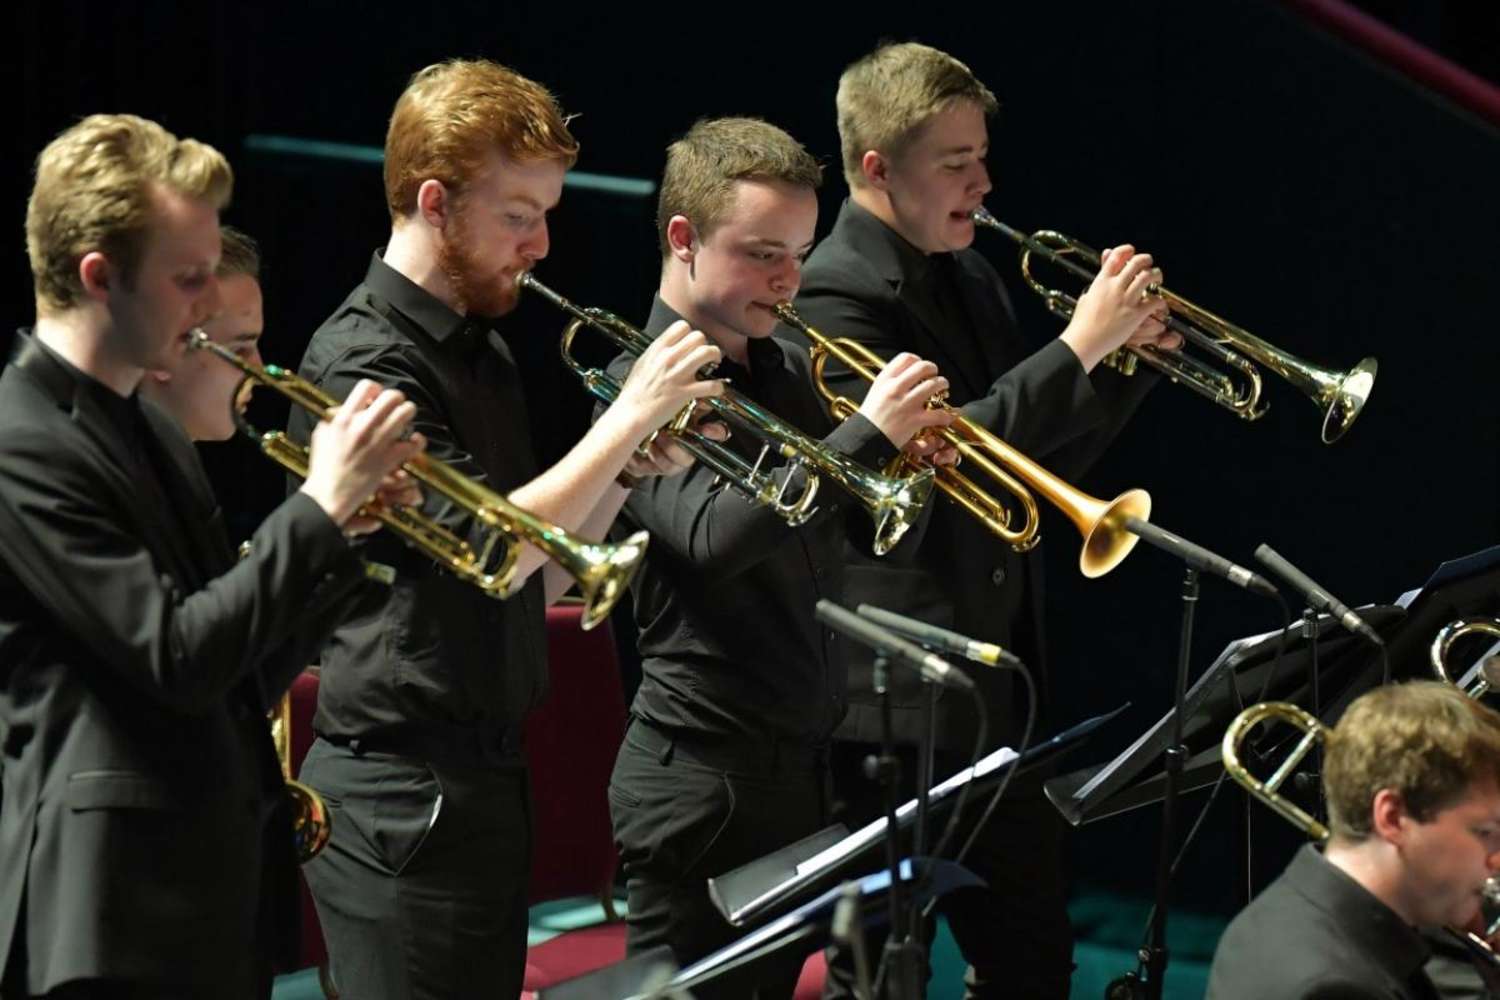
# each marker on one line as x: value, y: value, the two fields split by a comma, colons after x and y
x: 1106, y: 541
x: 602, y: 569
x: 1267, y: 792
x: 1339, y: 395
x: 893, y: 503
x: 1481, y: 677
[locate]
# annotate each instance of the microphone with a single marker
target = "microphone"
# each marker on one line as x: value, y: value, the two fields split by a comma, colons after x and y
x: 948, y: 641
x: 1200, y: 558
x: 932, y: 666
x: 1317, y: 598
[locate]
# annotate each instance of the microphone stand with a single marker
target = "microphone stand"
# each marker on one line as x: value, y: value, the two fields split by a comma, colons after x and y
x: 1152, y: 968
x: 1310, y: 632
x: 899, y: 962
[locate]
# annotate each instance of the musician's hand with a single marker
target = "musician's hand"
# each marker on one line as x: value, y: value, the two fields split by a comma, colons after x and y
x: 1153, y: 331
x: 665, y: 455
x: 665, y: 377
x: 396, y: 490
x: 897, y: 402
x: 362, y: 443
x: 934, y: 449
x: 1115, y: 307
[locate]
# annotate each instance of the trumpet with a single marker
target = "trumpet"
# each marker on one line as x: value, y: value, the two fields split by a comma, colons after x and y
x: 1481, y: 677
x: 1106, y: 540
x: 1340, y: 396
x: 603, y: 570
x: 1267, y: 792
x: 312, y: 823
x: 893, y: 503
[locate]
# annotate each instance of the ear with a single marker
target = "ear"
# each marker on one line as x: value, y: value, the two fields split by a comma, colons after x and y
x: 1388, y: 815
x: 96, y: 274
x: 876, y: 168
x: 434, y: 204
x: 682, y: 238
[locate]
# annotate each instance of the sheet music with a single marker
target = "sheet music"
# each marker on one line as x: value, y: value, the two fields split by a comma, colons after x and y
x: 873, y: 832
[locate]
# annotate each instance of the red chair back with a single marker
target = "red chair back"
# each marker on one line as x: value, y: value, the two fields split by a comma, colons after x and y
x: 571, y: 742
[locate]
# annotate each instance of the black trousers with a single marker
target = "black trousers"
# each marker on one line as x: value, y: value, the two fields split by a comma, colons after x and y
x: 422, y: 889
x: 684, y: 810
x: 1014, y: 933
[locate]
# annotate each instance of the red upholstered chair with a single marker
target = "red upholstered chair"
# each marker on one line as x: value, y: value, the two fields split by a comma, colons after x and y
x: 571, y: 742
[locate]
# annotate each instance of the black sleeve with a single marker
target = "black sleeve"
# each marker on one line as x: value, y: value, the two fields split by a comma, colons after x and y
x: 706, y: 523
x: 1046, y: 407
x: 101, y: 584
x: 393, y: 367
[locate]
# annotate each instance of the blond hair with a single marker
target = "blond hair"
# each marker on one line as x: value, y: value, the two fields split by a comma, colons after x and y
x: 703, y: 166
x: 453, y: 114
x: 1426, y: 741
x: 885, y: 98
x: 95, y: 190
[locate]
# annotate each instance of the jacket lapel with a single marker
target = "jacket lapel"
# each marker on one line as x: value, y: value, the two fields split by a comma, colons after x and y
x: 868, y: 237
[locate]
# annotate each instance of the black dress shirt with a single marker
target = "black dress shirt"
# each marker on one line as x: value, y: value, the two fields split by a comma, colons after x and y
x: 1316, y: 934
x: 430, y: 650
x: 725, y: 601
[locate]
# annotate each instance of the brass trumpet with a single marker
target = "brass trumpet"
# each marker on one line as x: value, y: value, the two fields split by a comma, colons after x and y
x: 1481, y: 677
x: 1106, y: 541
x: 893, y: 503
x: 312, y: 823
x: 1267, y: 792
x: 603, y: 569
x: 1339, y: 395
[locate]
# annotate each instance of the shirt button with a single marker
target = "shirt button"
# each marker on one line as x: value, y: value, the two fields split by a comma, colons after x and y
x: 833, y: 636
x: 998, y: 576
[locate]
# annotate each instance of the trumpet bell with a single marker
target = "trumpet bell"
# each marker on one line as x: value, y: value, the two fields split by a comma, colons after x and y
x: 311, y: 823
x: 1106, y: 541
x: 1346, y: 398
x: 607, y: 576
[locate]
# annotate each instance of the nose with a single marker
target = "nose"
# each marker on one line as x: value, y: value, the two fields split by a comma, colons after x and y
x: 981, y: 181
x: 787, y: 279
x: 538, y: 243
x: 210, y: 302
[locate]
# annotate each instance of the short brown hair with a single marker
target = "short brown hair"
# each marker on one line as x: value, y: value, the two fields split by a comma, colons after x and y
x: 1427, y: 741
x: 241, y: 254
x: 452, y: 114
x: 886, y: 97
x: 702, y: 166
x: 94, y: 190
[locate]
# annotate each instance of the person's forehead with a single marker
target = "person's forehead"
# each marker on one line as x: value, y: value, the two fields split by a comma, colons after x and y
x: 1481, y: 801
x: 762, y: 206
x: 182, y: 229
x: 537, y: 182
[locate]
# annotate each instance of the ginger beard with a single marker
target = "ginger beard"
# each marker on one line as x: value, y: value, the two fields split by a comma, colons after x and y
x: 479, y: 292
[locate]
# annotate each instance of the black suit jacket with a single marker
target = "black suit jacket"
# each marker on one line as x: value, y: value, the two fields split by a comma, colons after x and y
x: 857, y: 284
x: 1316, y: 934
x: 137, y: 659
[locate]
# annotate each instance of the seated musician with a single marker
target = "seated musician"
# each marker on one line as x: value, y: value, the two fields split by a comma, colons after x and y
x: 1412, y: 780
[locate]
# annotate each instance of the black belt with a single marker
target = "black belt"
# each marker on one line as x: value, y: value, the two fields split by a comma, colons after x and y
x: 735, y: 753
x: 466, y: 745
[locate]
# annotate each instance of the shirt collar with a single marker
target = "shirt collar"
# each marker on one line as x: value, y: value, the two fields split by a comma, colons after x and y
x: 897, y: 259
x: 1377, y: 929
x: 418, y: 305
x: 764, y: 353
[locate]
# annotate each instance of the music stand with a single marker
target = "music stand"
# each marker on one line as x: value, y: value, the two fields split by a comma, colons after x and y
x: 753, y: 891
x: 805, y: 928
x: 1348, y: 667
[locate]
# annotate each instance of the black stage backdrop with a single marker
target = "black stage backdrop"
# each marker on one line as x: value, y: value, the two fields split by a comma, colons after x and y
x: 1281, y: 178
